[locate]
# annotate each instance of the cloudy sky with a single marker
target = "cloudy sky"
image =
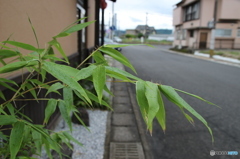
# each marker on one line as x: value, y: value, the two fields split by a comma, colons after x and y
x: 131, y: 13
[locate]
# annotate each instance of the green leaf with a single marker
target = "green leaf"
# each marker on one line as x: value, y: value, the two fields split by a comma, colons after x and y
x: 117, y: 56
x: 95, y: 99
x: 32, y: 91
x: 77, y: 27
x: 69, y: 137
x: 98, y: 57
x: 68, y: 98
x: 54, y: 88
x: 16, y: 138
x: 85, y: 72
x: 8, y: 81
x: 195, y: 96
x: 58, y: 46
x: 152, y: 98
x: 16, y: 66
x: 50, y: 109
x: 67, y: 75
x: 172, y: 95
x: 124, y: 73
x: 2, y: 96
x: 7, y: 120
x: 118, y: 76
x: 53, y: 58
x: 10, y: 108
x: 141, y: 99
x: 21, y: 45
x: 161, y: 114
x: 99, y: 79
x: 124, y: 45
x: 65, y: 114
x: 7, y: 86
x: 7, y: 53
x: 63, y: 34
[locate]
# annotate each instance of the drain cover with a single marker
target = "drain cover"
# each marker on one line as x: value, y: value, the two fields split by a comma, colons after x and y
x: 119, y: 150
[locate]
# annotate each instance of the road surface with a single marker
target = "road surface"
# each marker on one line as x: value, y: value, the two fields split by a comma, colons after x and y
x: 215, y: 82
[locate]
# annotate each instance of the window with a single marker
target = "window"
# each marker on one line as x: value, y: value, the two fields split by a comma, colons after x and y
x: 191, y: 33
x: 191, y: 12
x: 223, y: 32
x: 184, y: 34
x: 238, y: 33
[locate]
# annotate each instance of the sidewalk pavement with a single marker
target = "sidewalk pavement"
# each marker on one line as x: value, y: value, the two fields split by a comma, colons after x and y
x: 125, y: 133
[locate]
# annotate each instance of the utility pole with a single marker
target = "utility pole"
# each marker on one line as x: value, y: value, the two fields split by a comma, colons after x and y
x: 146, y: 25
x: 112, y: 20
x: 212, y: 43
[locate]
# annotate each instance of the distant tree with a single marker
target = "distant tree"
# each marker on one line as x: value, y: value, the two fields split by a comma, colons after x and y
x: 140, y: 35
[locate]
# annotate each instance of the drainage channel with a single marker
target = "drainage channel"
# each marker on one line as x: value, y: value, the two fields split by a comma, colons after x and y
x: 123, y: 150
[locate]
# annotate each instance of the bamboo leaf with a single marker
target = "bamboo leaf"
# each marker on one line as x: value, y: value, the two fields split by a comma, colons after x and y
x: 7, y: 120
x: 118, y: 76
x: 141, y: 99
x: 68, y: 98
x: 152, y: 98
x: 54, y: 88
x: 16, y: 66
x: 7, y: 53
x: 85, y: 72
x: 21, y: 45
x: 7, y: 86
x: 50, y: 109
x: 65, y: 114
x: 95, y: 99
x: 16, y: 138
x: 10, y: 108
x: 67, y: 75
x: 124, y: 45
x: 58, y: 46
x: 2, y: 96
x: 77, y: 27
x: 161, y: 114
x: 98, y: 57
x: 195, y: 96
x: 63, y: 34
x: 171, y: 94
x: 32, y: 91
x: 124, y: 73
x: 69, y: 137
x: 8, y: 81
x: 99, y: 79
x: 117, y: 56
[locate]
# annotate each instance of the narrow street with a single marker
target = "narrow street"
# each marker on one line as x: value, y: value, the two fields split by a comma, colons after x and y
x: 215, y: 82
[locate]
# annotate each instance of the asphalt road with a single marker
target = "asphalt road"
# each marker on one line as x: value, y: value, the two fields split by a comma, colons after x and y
x: 215, y: 82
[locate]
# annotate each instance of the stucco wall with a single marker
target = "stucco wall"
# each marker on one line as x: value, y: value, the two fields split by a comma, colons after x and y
x: 177, y: 16
x: 230, y: 9
x: 206, y: 12
x: 49, y: 17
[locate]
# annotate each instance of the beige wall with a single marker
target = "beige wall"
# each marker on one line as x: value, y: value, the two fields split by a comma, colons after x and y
x: 49, y: 17
x: 177, y: 16
x: 230, y: 9
x: 206, y: 12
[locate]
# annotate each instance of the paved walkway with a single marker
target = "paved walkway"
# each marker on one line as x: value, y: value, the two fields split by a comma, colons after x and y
x: 123, y: 139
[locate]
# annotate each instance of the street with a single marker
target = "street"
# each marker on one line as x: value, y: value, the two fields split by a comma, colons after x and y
x: 215, y: 82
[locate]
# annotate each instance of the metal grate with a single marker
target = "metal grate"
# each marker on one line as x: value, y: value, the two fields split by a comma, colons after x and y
x: 126, y: 151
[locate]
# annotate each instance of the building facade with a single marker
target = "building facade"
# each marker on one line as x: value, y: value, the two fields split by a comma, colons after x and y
x: 195, y: 20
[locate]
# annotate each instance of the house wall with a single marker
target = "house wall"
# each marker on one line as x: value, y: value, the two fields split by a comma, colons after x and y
x: 207, y: 12
x: 230, y: 9
x: 91, y: 28
x: 177, y: 16
x: 48, y: 17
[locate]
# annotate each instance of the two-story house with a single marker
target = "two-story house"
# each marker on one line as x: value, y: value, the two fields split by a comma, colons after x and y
x: 195, y: 20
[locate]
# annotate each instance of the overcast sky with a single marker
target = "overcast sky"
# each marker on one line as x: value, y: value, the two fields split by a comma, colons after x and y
x: 131, y: 13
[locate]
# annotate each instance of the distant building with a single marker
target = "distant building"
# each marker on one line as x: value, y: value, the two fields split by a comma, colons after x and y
x: 143, y: 29
x: 193, y: 22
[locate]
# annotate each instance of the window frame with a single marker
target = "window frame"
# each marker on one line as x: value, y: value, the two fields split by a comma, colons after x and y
x: 224, y: 33
x: 191, y: 12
